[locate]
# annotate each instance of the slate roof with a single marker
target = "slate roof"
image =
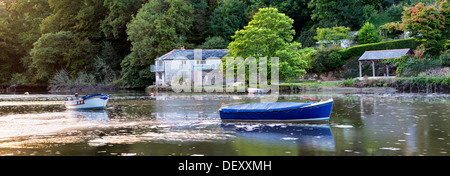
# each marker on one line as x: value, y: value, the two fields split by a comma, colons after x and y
x: 189, y: 54
x: 384, y: 54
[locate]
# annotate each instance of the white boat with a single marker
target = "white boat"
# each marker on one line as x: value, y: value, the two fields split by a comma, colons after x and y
x: 94, y: 101
x: 255, y: 91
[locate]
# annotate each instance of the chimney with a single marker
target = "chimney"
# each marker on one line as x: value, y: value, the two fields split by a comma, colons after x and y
x: 182, y: 48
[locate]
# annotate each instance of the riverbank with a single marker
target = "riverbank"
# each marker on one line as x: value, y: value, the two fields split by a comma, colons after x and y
x: 421, y: 84
x: 86, y: 89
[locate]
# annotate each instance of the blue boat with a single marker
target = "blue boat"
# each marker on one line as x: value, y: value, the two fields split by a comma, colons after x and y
x: 279, y: 111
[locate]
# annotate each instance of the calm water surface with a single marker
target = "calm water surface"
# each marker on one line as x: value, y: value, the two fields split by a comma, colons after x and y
x: 188, y: 124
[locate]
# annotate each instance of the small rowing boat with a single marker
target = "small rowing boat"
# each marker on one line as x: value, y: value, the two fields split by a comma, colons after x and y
x: 94, y: 101
x: 279, y: 111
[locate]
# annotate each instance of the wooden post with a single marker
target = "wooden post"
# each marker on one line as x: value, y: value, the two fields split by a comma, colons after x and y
x: 373, y: 68
x: 387, y: 70
x: 360, y: 72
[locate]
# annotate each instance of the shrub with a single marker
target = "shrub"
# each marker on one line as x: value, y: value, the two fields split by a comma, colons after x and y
x: 368, y: 34
x: 445, y: 59
x: 19, y: 79
x: 349, y: 82
x: 61, y: 78
x: 324, y: 60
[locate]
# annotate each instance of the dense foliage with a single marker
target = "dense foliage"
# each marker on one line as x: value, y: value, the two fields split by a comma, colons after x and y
x: 368, y: 34
x: 429, y: 24
x: 116, y: 41
x: 157, y: 28
x: 332, y: 36
x: 269, y: 25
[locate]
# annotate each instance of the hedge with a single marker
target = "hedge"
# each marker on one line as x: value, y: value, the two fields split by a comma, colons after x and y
x: 395, y: 44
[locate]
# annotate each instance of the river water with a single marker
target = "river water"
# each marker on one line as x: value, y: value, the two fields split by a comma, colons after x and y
x: 393, y: 124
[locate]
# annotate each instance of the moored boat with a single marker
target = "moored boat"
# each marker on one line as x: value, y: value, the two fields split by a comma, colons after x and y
x: 279, y: 111
x: 255, y: 91
x: 94, y: 101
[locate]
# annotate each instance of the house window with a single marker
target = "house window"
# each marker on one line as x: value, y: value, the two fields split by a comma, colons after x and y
x: 183, y: 62
x: 201, y: 62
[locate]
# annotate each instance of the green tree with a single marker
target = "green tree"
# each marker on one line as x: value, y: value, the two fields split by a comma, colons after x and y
x: 214, y: 43
x: 295, y: 9
x: 62, y: 18
x: 50, y: 53
x: 444, y: 10
x: 88, y: 20
x: 394, y: 12
x: 228, y: 17
x: 331, y: 35
x: 325, y: 60
x: 270, y: 34
x: 28, y: 15
x: 368, y: 34
x: 115, y: 45
x: 155, y: 30
x: 8, y: 45
x: 329, y: 13
x: 118, y: 15
x: 199, y: 30
x: 428, y: 24
x: 377, y: 4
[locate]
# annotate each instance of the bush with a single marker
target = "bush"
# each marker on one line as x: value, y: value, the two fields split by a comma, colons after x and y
x: 19, y: 79
x: 325, y: 60
x: 412, y: 66
x: 61, y: 78
x: 368, y: 34
x: 445, y: 59
x: 350, y: 82
x: 360, y: 49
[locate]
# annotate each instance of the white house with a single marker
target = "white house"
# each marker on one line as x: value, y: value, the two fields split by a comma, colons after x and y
x: 187, y: 65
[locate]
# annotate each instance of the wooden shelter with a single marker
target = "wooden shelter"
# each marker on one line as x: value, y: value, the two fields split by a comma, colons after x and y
x: 375, y: 56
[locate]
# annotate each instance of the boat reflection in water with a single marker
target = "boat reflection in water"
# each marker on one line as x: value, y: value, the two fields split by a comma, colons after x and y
x: 293, y: 139
x: 99, y: 116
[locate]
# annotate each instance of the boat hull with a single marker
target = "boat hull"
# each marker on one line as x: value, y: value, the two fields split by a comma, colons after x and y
x: 255, y: 91
x: 320, y: 111
x: 98, y: 102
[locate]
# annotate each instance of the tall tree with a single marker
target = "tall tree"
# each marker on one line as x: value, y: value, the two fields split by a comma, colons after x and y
x: 329, y: 13
x: 296, y: 9
x: 119, y: 14
x: 229, y: 17
x: 51, y: 53
x: 8, y: 46
x: 116, y: 46
x: 200, y: 29
x: 28, y: 15
x: 270, y: 34
x: 62, y: 18
x: 155, y: 30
